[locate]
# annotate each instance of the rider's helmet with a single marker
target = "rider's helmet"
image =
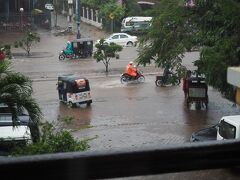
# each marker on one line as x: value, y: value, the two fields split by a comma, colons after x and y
x: 131, y: 62
x: 68, y: 42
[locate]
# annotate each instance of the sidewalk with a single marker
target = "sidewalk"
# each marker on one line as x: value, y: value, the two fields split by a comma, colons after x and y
x: 86, y: 30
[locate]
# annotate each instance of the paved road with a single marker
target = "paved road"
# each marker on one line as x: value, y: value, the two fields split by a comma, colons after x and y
x: 133, y: 115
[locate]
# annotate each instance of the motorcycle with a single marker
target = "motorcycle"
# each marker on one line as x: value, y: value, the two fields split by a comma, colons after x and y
x: 125, y: 78
x: 63, y: 55
x: 170, y: 79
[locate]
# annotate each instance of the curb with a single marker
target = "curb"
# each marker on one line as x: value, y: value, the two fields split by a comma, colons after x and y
x: 91, y: 77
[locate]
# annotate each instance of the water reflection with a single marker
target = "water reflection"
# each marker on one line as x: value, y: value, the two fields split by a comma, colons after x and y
x: 81, y: 116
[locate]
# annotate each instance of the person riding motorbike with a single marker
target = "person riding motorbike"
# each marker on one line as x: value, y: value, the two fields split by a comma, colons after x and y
x: 166, y: 73
x: 131, y: 70
x: 187, y: 75
x: 68, y: 49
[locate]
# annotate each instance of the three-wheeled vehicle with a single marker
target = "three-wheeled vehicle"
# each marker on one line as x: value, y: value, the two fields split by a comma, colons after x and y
x: 197, y: 91
x: 73, y: 90
x: 81, y: 48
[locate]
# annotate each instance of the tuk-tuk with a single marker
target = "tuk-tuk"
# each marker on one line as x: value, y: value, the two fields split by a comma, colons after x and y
x: 197, y: 91
x: 82, y: 47
x: 73, y: 90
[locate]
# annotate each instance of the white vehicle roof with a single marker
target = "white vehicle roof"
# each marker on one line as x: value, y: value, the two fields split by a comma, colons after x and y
x: 234, y: 120
x: 16, y: 133
x: 137, y: 18
x: 119, y: 34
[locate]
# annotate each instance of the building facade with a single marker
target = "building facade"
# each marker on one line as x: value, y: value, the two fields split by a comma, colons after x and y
x: 233, y: 78
x: 9, y: 7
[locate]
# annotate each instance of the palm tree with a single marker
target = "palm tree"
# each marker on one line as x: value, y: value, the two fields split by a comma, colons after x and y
x: 16, y: 91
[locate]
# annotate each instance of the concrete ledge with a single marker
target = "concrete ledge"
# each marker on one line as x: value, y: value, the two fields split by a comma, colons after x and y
x: 233, y: 76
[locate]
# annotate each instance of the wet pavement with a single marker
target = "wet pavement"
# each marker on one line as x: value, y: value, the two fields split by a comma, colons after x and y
x: 133, y: 115
x: 121, y: 116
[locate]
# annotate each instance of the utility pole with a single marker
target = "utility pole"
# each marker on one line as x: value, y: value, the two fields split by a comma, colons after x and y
x: 70, y: 13
x: 78, y: 18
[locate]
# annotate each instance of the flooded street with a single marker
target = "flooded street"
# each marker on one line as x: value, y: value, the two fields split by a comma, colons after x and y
x: 121, y: 116
x: 134, y: 114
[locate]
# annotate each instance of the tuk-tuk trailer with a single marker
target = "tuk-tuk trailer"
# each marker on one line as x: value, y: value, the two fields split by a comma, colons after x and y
x: 82, y: 47
x: 73, y: 90
x: 197, y: 91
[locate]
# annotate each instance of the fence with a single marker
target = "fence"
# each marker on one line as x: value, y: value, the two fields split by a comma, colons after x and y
x: 24, y: 21
x: 90, y: 16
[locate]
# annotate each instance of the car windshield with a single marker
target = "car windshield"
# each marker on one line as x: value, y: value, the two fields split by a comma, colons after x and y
x: 226, y: 130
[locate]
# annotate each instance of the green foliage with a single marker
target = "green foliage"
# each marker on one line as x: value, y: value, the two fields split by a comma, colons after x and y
x: 106, y: 51
x: 6, y: 49
x: 111, y: 8
x: 132, y: 8
x: 94, y: 3
x: 53, y: 139
x: 108, y: 10
x: 16, y: 92
x: 212, y: 26
x: 28, y: 40
x: 106, y: 7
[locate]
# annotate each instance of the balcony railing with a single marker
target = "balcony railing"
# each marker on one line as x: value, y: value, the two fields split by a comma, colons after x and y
x: 123, y: 163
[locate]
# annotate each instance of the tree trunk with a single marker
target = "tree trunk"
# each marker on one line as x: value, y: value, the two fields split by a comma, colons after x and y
x: 56, y: 19
x: 106, y: 67
x: 28, y: 51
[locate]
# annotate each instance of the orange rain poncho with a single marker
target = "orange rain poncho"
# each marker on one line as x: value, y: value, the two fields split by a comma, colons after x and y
x: 131, y: 70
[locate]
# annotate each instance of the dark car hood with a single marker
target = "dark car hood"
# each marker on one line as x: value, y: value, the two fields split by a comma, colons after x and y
x: 207, y: 134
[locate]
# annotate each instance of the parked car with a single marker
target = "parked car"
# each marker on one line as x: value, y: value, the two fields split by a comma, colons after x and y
x: 49, y: 7
x: 122, y: 39
x: 227, y: 128
x: 13, y: 136
x: 22, y: 132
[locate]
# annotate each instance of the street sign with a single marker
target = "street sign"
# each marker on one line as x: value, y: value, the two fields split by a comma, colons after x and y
x: 111, y: 16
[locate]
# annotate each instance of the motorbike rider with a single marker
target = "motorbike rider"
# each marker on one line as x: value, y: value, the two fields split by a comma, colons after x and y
x: 68, y: 49
x: 166, y: 73
x: 187, y: 75
x: 131, y: 70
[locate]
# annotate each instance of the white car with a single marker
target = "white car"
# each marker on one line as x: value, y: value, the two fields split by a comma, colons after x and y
x: 122, y: 39
x: 49, y: 7
x: 10, y: 136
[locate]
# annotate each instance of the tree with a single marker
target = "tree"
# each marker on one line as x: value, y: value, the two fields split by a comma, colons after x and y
x: 132, y: 8
x: 28, y: 40
x: 5, y: 50
x: 16, y: 92
x: 58, y: 5
x: 108, y: 10
x: 106, y: 51
x: 211, y: 25
x: 113, y: 9
x: 54, y: 139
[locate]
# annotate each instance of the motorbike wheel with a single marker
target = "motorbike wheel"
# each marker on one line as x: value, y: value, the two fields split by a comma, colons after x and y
x: 124, y: 80
x: 198, y: 105
x: 61, y: 57
x: 141, y: 79
x: 159, y: 83
x: 89, y: 103
x: 178, y: 81
x: 206, y: 105
x: 71, y: 105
